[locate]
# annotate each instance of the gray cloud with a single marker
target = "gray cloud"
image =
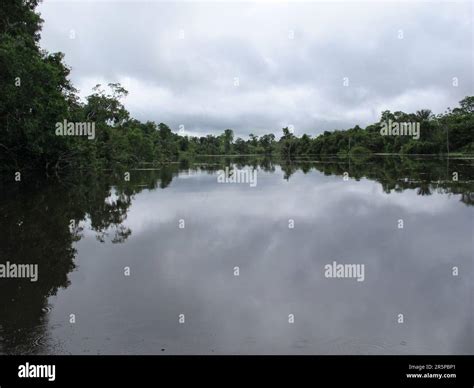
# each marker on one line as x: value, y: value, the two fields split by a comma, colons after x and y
x: 282, y: 81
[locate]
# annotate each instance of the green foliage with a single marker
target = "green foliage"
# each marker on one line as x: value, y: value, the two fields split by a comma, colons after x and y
x: 359, y: 150
x: 36, y: 95
x: 34, y: 89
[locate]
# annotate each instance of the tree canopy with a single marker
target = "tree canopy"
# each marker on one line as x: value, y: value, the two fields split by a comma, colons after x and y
x: 36, y: 94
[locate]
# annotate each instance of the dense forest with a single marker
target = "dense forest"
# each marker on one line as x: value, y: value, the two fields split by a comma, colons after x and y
x: 36, y: 95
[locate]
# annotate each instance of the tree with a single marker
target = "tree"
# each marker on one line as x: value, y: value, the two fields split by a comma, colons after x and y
x: 467, y: 105
x: 241, y: 146
x: 267, y: 143
x: 228, y: 138
x: 288, y: 143
x: 35, y: 92
x: 424, y: 114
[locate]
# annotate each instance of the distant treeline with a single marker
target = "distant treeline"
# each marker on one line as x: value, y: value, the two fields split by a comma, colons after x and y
x: 36, y: 95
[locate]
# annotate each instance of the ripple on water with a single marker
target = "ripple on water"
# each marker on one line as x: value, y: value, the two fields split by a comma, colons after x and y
x: 364, y: 346
x: 47, y: 309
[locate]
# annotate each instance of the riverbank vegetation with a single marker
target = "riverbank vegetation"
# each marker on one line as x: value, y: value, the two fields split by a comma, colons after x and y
x: 36, y: 94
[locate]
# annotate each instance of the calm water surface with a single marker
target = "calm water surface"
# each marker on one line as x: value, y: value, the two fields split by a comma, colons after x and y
x: 191, y: 270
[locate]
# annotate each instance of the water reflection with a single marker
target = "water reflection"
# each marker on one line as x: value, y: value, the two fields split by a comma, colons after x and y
x: 84, y: 230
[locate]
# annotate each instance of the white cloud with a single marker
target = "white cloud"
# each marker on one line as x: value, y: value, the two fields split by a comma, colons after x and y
x: 296, y: 81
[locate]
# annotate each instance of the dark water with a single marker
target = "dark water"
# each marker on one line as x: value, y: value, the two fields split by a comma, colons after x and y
x: 191, y: 270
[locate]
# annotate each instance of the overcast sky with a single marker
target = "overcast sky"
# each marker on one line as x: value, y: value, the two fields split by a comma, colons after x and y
x: 180, y: 61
